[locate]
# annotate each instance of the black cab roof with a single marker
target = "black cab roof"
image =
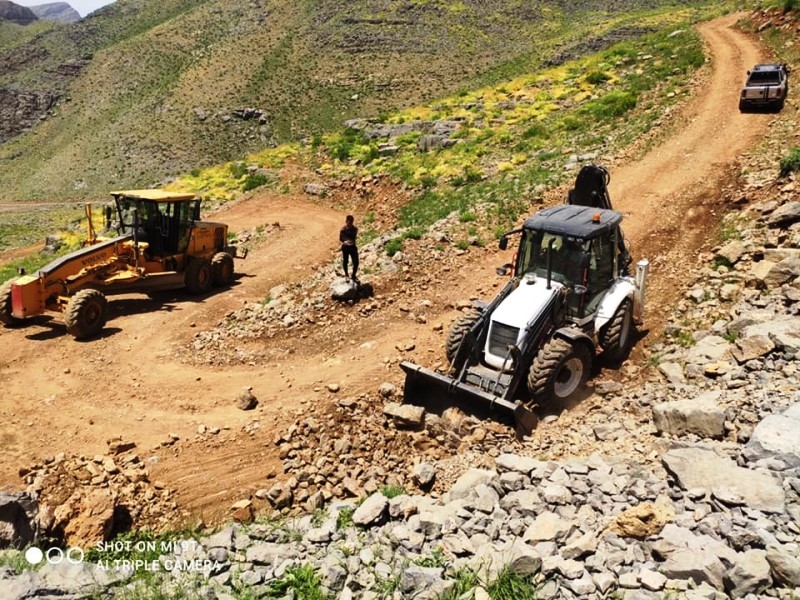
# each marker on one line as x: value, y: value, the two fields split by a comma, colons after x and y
x: 582, y: 222
x: 768, y: 67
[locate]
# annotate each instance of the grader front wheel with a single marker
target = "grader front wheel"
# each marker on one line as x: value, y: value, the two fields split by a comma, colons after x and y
x: 86, y: 314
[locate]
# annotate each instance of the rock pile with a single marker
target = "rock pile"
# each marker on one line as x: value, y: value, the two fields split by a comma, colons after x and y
x: 85, y: 500
x: 579, y: 528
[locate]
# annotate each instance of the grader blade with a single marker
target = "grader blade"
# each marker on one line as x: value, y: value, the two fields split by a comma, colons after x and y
x: 434, y: 391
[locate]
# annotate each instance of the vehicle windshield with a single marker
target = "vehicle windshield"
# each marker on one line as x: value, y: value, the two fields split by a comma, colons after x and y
x: 763, y: 78
x: 148, y: 213
x: 567, y: 253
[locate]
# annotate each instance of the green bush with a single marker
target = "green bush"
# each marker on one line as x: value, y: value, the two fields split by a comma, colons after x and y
x: 597, y: 77
x: 392, y: 491
x: 342, y: 147
x: 254, y: 180
x: 238, y: 169
x: 511, y: 586
x: 613, y: 104
x: 536, y: 130
x: 790, y: 162
x: 394, y: 245
x: 345, y: 518
x: 303, y: 581
x: 415, y: 233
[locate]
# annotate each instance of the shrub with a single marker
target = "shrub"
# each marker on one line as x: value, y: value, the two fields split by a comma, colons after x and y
x: 254, y: 180
x: 394, y: 245
x: 345, y: 518
x: 511, y: 586
x: 613, y: 104
x: 392, y: 491
x: 238, y: 169
x: 303, y: 581
x: 790, y: 162
x: 597, y: 77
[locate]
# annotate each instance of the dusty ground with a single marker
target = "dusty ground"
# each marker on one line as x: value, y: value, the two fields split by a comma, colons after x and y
x: 135, y: 381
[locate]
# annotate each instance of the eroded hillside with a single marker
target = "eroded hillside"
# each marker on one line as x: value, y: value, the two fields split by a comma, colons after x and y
x: 141, y: 91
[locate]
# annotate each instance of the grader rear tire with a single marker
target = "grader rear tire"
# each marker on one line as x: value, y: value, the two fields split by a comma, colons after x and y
x: 86, y: 314
x: 458, y: 330
x: 222, y: 269
x: 5, y: 306
x: 198, y: 276
x: 559, y: 370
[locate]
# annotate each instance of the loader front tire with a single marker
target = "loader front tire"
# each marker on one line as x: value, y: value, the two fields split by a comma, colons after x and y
x: 86, y: 314
x: 222, y: 269
x: 5, y: 306
x: 617, y: 335
x: 458, y: 330
x: 198, y: 276
x: 558, y: 371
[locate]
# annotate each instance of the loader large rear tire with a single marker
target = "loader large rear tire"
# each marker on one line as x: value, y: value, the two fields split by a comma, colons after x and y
x: 5, y: 306
x: 617, y: 335
x: 86, y: 314
x: 458, y: 330
x: 198, y: 276
x: 222, y: 269
x: 558, y: 371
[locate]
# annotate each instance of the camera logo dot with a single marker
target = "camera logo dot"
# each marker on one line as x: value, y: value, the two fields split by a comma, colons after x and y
x: 54, y: 555
x: 34, y: 555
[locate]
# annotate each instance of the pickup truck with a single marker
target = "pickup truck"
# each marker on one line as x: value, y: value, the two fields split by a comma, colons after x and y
x: 766, y: 87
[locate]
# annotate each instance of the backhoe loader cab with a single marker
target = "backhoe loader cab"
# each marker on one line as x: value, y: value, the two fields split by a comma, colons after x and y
x: 569, y: 299
x: 161, y: 244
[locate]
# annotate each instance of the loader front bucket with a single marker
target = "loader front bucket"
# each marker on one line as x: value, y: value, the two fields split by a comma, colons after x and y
x: 435, y: 392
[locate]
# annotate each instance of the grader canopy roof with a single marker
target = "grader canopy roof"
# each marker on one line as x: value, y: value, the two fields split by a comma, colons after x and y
x: 155, y: 195
x: 582, y: 222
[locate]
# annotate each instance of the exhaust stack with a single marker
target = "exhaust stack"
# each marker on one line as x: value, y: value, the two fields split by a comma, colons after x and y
x: 642, y: 269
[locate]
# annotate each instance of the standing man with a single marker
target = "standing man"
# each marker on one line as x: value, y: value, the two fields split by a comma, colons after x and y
x: 347, y: 235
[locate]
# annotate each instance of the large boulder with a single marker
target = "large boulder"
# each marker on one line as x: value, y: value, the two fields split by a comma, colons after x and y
x: 777, y: 436
x: 701, y: 416
x: 17, y: 519
x: 701, y: 468
x: 87, y: 518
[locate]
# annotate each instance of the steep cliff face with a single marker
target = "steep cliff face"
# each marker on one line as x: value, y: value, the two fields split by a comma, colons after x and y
x: 16, y: 13
x: 58, y: 12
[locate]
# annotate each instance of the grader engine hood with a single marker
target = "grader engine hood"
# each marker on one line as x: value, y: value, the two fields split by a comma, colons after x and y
x: 510, y: 319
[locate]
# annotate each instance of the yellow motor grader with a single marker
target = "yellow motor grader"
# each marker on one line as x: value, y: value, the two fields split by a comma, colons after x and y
x: 161, y: 244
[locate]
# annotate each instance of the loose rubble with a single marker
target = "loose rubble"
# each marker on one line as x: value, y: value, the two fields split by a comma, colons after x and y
x: 694, y: 495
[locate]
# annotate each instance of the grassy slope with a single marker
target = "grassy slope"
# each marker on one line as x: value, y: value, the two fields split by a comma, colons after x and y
x: 157, y: 96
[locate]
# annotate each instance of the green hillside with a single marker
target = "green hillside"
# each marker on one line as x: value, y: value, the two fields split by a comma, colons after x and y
x: 150, y: 90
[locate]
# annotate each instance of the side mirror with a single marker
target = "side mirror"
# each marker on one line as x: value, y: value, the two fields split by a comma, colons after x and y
x: 503, y: 243
x: 585, y: 260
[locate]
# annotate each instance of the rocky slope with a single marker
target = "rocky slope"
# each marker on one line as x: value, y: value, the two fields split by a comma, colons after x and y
x: 200, y: 66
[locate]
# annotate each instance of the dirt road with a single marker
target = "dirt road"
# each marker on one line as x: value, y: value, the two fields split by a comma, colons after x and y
x: 61, y: 395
